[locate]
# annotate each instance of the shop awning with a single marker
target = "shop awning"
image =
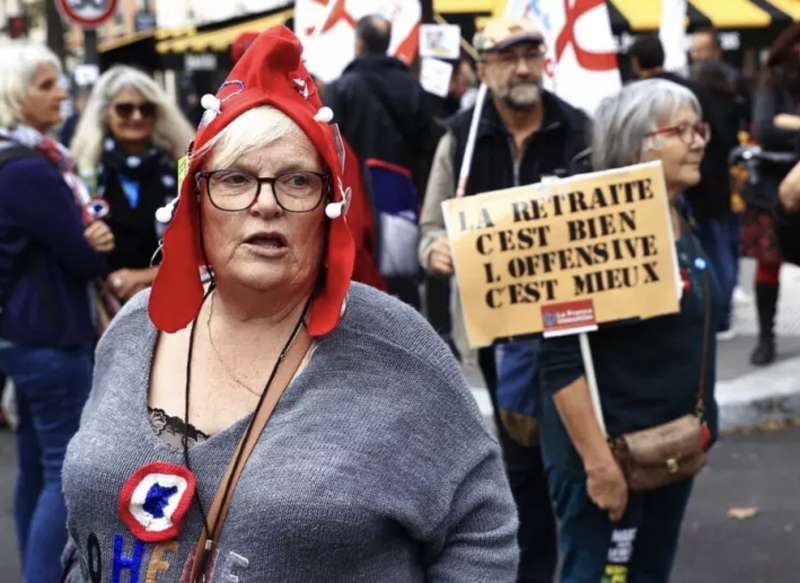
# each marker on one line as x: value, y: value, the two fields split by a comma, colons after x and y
x: 642, y: 16
x: 220, y: 39
x: 466, y: 6
x: 140, y: 37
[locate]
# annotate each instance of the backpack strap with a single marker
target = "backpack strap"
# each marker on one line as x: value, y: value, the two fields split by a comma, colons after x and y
x: 16, y: 151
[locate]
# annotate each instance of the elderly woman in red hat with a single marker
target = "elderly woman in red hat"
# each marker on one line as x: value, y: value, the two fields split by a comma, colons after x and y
x: 374, y: 464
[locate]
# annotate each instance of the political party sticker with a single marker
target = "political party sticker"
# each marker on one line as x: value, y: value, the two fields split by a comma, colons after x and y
x: 568, y: 318
x: 155, y: 499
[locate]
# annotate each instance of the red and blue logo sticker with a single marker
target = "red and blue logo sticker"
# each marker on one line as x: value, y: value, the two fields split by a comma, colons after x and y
x: 155, y: 499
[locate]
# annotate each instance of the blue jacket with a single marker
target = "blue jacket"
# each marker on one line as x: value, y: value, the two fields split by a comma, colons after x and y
x: 49, y: 306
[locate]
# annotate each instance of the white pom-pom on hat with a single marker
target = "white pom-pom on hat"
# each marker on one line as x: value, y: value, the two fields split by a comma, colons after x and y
x: 324, y: 115
x: 165, y: 213
x: 333, y: 210
x: 210, y: 102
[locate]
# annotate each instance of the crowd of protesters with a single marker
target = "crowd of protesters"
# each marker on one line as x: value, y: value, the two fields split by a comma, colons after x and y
x: 79, y: 238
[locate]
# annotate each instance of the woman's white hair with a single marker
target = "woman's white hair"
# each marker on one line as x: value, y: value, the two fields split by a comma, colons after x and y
x: 172, y: 131
x: 252, y: 130
x: 18, y: 64
x: 622, y: 121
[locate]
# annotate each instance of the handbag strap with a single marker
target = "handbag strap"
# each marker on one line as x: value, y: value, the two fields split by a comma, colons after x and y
x: 218, y: 510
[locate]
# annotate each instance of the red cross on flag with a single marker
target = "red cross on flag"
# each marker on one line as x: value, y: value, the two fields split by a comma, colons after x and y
x: 581, y: 52
x: 326, y: 29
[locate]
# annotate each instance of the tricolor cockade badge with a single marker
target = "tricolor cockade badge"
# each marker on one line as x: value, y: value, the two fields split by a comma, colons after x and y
x: 155, y: 499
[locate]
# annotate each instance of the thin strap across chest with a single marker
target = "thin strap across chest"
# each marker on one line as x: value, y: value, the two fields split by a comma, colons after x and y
x: 218, y: 510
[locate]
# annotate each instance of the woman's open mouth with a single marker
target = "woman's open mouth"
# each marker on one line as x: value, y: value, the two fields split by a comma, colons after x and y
x: 267, y: 243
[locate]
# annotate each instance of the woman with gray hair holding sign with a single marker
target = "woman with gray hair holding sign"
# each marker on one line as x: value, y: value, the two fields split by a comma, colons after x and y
x: 619, y: 516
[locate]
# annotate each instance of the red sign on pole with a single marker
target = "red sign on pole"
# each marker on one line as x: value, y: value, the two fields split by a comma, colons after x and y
x: 88, y: 13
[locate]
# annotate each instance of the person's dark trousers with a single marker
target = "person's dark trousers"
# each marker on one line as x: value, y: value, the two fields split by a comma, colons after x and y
x: 526, y: 475
x: 715, y: 236
x: 405, y: 288
x: 51, y: 387
x: 639, y: 549
x: 437, y: 304
x: 766, y: 305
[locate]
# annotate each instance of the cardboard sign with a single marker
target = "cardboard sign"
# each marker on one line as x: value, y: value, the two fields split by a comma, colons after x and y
x: 435, y: 75
x: 440, y: 41
x: 562, y: 256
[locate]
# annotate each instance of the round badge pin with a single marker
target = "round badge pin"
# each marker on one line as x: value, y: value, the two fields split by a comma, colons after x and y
x: 97, y: 208
x: 155, y: 499
x: 700, y: 263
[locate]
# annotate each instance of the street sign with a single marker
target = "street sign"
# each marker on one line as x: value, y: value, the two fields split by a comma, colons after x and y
x: 144, y: 20
x: 87, y: 13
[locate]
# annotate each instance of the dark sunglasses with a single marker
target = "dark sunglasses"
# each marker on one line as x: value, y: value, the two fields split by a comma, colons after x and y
x: 125, y: 109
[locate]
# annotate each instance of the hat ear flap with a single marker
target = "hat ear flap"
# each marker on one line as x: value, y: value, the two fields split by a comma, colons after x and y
x: 177, y: 290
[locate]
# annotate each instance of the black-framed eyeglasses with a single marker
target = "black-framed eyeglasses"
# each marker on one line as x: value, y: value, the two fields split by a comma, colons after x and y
x: 236, y: 190
x: 125, y: 109
x: 508, y: 59
x: 685, y: 131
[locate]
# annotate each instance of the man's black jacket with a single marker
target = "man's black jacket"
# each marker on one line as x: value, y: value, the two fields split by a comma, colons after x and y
x: 551, y: 151
x: 383, y: 111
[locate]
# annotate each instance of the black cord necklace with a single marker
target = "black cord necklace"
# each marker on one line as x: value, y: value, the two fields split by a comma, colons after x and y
x: 240, y: 447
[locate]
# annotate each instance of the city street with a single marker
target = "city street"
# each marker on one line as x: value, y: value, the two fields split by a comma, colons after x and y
x: 743, y: 522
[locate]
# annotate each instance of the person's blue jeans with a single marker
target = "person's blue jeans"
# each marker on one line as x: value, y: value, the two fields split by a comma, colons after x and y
x: 640, y: 548
x: 51, y: 388
x: 720, y: 240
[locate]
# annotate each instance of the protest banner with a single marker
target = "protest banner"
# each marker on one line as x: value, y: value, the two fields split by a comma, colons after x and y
x: 581, y: 51
x: 565, y: 255
x: 326, y: 28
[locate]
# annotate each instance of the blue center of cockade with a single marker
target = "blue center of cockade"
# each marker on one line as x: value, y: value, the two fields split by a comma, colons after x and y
x: 158, y: 498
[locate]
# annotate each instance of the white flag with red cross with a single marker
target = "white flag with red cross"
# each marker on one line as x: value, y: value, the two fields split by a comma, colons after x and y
x: 581, y: 65
x: 327, y: 30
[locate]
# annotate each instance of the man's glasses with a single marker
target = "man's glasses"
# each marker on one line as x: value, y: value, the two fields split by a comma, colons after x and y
x: 509, y: 59
x: 685, y: 131
x: 237, y: 190
x: 125, y: 109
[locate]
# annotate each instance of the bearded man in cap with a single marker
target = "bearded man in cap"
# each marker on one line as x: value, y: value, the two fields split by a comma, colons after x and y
x: 525, y: 134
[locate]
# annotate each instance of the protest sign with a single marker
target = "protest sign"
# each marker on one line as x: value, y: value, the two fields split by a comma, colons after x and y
x: 440, y: 41
x: 580, y: 48
x: 435, y: 75
x: 566, y: 255
x: 326, y: 28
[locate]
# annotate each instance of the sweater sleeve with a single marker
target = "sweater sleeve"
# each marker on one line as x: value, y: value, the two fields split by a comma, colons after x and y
x: 480, y: 531
x: 441, y: 186
x: 44, y: 209
x: 560, y: 363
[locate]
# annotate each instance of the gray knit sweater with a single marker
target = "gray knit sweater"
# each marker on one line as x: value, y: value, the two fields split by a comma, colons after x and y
x: 375, y: 466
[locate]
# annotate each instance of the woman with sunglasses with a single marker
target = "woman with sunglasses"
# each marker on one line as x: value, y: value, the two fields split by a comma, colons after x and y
x: 301, y: 428
x: 648, y: 373
x: 126, y: 146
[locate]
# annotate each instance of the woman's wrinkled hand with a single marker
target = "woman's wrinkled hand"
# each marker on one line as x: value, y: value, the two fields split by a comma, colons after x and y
x: 100, y: 237
x: 440, y: 257
x: 125, y: 283
x: 789, y: 190
x: 787, y: 121
x: 608, y: 489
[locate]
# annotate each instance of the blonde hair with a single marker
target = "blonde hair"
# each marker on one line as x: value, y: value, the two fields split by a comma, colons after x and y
x: 172, y: 131
x: 18, y: 64
x: 252, y: 130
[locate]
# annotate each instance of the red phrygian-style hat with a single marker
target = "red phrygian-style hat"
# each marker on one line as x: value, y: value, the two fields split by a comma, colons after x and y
x: 270, y: 73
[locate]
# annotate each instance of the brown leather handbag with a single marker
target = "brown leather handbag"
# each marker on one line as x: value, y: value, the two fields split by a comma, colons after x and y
x: 671, y: 452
